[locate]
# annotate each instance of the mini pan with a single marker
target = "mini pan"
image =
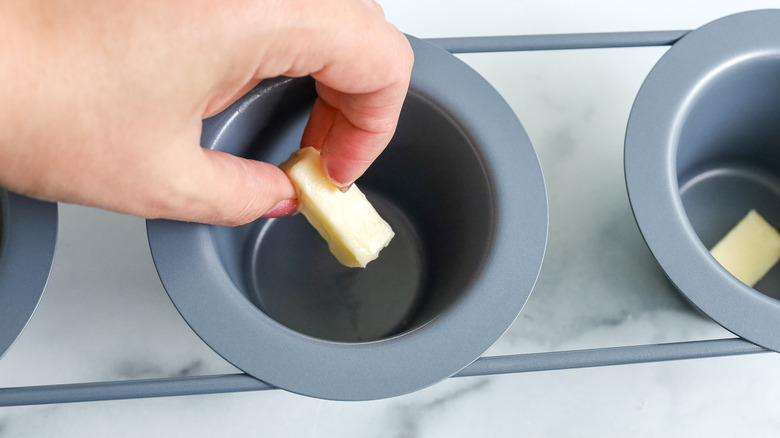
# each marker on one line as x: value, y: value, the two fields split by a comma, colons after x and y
x: 28, y: 235
x: 461, y: 185
x: 702, y: 148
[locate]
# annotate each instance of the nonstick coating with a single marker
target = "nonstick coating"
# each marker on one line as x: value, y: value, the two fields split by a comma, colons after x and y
x: 461, y: 184
x: 702, y: 149
x: 28, y: 234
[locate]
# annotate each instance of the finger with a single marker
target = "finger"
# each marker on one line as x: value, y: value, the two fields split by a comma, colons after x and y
x: 320, y: 121
x: 362, y: 127
x: 367, y: 94
x: 242, y: 190
x: 222, y: 189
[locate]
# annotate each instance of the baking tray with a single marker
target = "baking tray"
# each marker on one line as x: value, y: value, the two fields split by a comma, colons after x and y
x: 488, y: 365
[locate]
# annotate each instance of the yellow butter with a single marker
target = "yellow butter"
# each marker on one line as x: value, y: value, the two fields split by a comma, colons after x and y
x: 750, y: 249
x: 353, y: 229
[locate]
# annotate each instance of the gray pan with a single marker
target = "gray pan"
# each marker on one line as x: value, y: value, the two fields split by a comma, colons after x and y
x: 28, y: 234
x: 461, y: 185
x: 702, y: 149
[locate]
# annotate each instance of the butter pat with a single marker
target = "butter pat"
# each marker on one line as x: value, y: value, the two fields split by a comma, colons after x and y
x: 750, y: 249
x: 347, y: 221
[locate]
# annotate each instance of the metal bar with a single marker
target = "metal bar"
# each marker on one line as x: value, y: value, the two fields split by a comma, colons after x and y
x: 129, y: 389
x: 559, y: 360
x: 514, y: 43
x: 519, y: 363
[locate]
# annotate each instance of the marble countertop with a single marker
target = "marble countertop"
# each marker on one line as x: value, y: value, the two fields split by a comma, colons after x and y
x: 105, y: 315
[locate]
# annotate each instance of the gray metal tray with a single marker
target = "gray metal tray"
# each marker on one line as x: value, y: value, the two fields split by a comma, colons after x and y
x: 114, y: 390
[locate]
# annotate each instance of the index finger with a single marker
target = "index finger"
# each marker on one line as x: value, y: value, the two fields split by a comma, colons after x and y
x: 351, y: 130
x: 360, y: 98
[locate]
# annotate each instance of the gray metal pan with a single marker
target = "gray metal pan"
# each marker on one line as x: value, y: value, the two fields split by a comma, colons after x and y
x: 462, y: 187
x: 28, y: 235
x: 702, y: 148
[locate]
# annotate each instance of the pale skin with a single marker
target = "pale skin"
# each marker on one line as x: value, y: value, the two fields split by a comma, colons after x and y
x: 101, y: 102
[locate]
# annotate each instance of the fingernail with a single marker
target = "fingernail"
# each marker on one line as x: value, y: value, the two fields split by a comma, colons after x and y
x: 284, y: 208
x: 341, y: 188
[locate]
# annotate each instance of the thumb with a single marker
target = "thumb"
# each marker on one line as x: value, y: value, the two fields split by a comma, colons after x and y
x: 223, y: 189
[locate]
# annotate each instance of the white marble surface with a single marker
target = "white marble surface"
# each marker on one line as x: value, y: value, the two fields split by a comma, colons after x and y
x: 105, y: 315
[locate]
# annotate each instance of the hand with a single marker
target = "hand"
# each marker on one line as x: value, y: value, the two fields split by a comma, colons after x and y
x: 102, y: 102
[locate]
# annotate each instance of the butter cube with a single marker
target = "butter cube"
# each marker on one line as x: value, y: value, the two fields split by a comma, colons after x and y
x: 750, y: 249
x: 353, y: 229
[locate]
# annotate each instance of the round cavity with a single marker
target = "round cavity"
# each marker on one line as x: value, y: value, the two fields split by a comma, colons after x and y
x: 702, y: 149
x: 327, y: 300
x: 462, y: 188
x: 28, y: 234
x: 443, y: 220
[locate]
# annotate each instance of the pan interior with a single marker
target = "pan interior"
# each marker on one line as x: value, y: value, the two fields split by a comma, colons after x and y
x: 728, y: 155
x: 432, y: 188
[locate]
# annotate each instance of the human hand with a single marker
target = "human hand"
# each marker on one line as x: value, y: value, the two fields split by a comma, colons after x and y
x: 103, y: 101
